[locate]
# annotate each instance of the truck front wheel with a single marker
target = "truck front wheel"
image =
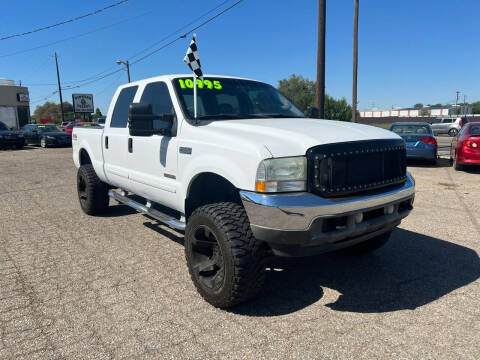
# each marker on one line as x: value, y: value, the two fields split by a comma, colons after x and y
x: 225, y: 261
x: 92, y: 192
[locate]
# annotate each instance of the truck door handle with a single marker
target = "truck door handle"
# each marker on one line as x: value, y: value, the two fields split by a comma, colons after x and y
x: 130, y: 145
x: 106, y: 142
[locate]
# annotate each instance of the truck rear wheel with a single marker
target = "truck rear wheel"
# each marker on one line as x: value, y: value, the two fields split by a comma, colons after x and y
x: 92, y: 192
x: 369, y: 245
x: 225, y: 261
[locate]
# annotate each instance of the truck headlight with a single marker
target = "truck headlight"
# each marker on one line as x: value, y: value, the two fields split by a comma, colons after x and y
x: 282, y: 174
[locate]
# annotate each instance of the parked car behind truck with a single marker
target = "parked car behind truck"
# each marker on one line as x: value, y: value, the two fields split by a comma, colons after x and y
x: 47, y: 135
x: 419, y: 140
x: 249, y: 179
x: 450, y: 126
x: 465, y: 148
x: 10, y: 138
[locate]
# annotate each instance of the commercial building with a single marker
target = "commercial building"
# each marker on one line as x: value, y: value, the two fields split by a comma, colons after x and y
x: 434, y: 110
x: 14, y: 104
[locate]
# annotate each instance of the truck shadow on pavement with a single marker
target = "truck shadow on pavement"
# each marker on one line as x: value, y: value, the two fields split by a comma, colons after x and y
x: 410, y: 271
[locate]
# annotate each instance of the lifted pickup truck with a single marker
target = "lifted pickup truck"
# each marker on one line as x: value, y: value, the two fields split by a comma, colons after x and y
x: 249, y: 179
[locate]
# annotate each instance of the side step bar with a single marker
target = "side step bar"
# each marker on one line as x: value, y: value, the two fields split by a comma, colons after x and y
x: 157, y: 215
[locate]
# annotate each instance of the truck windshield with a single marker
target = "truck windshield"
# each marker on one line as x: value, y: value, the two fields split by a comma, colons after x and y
x: 227, y: 98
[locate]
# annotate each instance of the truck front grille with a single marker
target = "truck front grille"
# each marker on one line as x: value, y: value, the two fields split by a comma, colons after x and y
x: 342, y: 169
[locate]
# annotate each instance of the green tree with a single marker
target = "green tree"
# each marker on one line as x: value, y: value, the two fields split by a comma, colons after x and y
x: 476, y: 107
x: 51, y: 110
x: 301, y: 92
x: 337, y: 109
x: 97, y: 114
x: 418, y: 106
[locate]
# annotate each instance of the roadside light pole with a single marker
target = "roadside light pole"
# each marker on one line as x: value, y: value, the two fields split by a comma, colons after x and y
x: 127, y: 65
x: 321, y: 59
x: 355, y: 62
x: 59, y: 89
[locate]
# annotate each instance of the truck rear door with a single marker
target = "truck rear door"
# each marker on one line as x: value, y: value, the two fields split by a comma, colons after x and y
x: 115, y: 139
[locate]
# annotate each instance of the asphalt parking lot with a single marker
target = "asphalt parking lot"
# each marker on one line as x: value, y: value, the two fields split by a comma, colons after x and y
x: 115, y: 287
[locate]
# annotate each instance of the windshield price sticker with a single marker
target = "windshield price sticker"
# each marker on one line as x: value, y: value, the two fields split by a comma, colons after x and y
x: 205, y: 84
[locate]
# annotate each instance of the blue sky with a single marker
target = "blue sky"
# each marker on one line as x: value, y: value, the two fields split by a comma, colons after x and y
x: 409, y: 51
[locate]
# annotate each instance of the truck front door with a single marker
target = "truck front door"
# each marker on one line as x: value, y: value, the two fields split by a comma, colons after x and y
x: 152, y: 160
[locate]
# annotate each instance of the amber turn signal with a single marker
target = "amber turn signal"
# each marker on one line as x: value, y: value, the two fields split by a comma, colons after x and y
x: 260, y: 186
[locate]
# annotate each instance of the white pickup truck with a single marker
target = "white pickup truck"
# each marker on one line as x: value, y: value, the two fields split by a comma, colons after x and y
x: 249, y: 179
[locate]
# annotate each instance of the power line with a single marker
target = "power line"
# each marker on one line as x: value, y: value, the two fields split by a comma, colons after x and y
x: 180, y: 29
x: 189, y: 31
x: 83, y: 83
x: 101, y: 28
x: 44, y: 98
x: 64, y: 22
x: 149, y: 47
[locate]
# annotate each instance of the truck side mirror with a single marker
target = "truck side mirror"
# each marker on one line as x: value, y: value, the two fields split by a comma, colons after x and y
x: 312, y: 112
x: 141, y: 117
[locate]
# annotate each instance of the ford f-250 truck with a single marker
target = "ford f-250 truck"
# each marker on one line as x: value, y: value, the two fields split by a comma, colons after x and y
x: 249, y: 179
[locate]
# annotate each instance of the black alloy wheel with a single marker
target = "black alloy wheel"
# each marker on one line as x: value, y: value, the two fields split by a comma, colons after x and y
x: 92, y: 192
x: 207, y: 258
x: 453, y: 132
x: 225, y: 261
x: 82, y: 191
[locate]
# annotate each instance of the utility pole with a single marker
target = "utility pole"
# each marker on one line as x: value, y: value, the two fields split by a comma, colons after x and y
x: 59, y: 88
x: 456, y: 99
x: 355, y: 61
x: 321, y: 58
x: 127, y: 65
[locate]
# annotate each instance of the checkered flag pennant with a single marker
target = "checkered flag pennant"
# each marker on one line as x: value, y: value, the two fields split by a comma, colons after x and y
x: 192, y: 59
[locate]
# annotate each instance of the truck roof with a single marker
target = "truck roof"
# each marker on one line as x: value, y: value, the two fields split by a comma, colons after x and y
x: 172, y: 76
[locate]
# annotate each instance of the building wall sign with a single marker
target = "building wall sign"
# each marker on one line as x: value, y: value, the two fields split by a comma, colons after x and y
x: 23, y: 97
x: 83, y: 103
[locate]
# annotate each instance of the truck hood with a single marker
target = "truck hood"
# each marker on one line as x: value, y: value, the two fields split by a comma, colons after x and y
x: 294, y: 136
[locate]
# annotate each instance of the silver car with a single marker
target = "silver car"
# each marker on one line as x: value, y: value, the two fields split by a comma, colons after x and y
x: 450, y: 126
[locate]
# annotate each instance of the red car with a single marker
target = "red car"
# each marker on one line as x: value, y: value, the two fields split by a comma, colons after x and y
x: 465, y: 148
x: 69, y: 127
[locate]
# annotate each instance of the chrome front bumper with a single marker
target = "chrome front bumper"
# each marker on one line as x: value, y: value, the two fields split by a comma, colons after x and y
x: 307, y: 220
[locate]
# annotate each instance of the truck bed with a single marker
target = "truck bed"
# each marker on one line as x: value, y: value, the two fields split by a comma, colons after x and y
x: 90, y: 139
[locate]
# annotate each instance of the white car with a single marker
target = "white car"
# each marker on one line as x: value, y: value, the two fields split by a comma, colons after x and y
x: 448, y: 126
x: 250, y: 178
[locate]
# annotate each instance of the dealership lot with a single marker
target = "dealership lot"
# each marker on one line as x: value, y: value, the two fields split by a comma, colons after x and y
x: 74, y: 286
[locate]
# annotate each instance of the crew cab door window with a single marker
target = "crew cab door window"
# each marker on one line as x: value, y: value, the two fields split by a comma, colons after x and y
x: 157, y: 94
x: 120, y: 112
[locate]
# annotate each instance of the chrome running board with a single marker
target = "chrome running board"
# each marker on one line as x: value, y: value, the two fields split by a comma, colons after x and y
x: 157, y: 215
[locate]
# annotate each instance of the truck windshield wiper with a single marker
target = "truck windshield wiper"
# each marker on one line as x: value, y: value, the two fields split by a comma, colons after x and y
x: 219, y: 116
x: 281, y: 116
